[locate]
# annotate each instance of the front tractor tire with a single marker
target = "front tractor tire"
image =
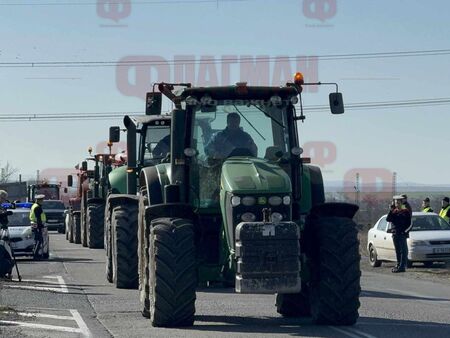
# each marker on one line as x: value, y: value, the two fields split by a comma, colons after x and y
x: 335, y: 282
x: 173, y: 275
x: 124, y: 246
x: 95, y: 219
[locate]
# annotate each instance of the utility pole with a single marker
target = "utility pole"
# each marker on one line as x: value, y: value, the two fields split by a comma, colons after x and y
x: 37, y: 176
x: 357, y: 197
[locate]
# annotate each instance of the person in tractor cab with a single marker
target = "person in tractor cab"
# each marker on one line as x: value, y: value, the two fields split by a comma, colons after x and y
x: 162, y: 148
x: 38, y: 219
x: 232, y: 141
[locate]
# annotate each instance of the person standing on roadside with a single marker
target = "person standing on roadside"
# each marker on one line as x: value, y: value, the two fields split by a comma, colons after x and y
x: 400, y: 217
x: 37, y: 220
x: 445, y: 210
x: 426, y: 205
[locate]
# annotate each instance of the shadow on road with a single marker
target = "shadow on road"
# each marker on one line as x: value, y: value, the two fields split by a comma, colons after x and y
x: 57, y: 259
x: 403, y: 328
x: 388, y: 295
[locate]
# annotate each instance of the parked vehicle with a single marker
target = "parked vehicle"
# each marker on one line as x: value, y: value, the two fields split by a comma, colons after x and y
x: 54, y: 210
x: 428, y: 242
x: 22, y: 236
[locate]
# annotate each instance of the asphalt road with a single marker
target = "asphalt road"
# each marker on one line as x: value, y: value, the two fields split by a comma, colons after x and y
x: 68, y: 296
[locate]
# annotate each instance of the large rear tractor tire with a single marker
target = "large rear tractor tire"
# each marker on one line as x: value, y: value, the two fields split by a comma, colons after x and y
x: 124, y: 246
x: 335, y: 272
x: 173, y: 275
x: 95, y: 222
x: 76, y: 228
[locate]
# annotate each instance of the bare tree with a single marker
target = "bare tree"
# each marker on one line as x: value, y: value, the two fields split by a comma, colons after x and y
x: 6, y: 172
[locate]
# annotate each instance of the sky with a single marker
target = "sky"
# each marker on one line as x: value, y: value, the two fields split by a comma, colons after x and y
x: 411, y: 141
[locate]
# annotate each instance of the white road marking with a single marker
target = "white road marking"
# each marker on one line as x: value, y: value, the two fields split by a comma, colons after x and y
x: 352, y: 332
x: 40, y: 288
x: 42, y: 326
x: 59, y: 281
x: 82, y: 328
x: 344, y: 332
x: 62, y: 284
x: 44, y: 315
x: 81, y: 324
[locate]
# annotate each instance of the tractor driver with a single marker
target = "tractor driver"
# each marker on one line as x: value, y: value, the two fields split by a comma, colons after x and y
x: 162, y: 148
x: 227, y: 142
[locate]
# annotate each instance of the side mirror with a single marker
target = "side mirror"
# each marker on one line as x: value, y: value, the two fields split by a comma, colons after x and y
x: 153, y: 103
x: 336, y: 103
x: 114, y: 134
x: 69, y: 181
x: 84, y: 166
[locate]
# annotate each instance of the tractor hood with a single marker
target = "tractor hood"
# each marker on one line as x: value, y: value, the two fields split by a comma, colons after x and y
x: 118, y: 180
x: 242, y: 175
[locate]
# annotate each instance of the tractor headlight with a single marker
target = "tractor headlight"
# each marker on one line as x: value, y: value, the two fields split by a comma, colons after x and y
x: 235, y: 201
x: 276, y: 217
x: 287, y: 200
x: 275, y: 201
x: 248, y: 217
x: 248, y: 201
x: 27, y: 233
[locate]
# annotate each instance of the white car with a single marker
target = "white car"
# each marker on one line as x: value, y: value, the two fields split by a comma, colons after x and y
x: 22, y: 236
x: 428, y: 242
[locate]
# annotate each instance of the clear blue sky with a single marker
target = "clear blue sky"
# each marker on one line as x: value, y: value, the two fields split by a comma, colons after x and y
x: 411, y: 141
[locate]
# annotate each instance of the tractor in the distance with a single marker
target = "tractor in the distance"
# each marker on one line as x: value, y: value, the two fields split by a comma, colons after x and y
x: 236, y: 202
x: 51, y: 191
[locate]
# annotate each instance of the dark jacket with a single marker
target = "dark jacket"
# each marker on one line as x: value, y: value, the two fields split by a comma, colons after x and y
x: 400, y: 219
x: 224, y: 142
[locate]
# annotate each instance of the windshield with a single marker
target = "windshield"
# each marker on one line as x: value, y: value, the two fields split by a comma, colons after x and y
x: 19, y: 219
x: 427, y: 223
x: 51, y: 193
x: 53, y: 205
x: 228, y: 130
x: 157, y: 144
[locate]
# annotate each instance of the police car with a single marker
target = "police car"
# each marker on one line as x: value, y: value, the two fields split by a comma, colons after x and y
x: 21, y: 234
x: 428, y: 242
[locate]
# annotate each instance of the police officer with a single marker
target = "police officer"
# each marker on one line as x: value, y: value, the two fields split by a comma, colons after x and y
x: 445, y: 210
x: 426, y: 205
x: 400, y: 217
x: 38, y: 219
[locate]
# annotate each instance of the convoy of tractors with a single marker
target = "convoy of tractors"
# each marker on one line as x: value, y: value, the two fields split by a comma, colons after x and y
x: 199, y: 201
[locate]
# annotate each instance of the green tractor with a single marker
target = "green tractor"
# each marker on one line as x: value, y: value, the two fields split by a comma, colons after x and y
x: 237, y: 204
x: 94, y: 199
x: 147, y: 145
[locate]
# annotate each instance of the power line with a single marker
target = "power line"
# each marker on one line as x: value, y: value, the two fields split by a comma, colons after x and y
x: 244, y: 59
x: 314, y: 108
x: 156, y: 2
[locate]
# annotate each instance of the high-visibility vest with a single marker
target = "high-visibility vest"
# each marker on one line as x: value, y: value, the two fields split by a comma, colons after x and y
x: 33, y: 217
x: 443, y: 213
x: 427, y: 209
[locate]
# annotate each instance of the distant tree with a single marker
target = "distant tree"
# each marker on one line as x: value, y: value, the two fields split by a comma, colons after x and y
x: 6, y: 172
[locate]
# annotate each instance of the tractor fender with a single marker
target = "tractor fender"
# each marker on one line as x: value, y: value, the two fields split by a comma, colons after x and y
x: 149, y: 178
x: 334, y: 209
x: 95, y: 200
x: 120, y: 199
x: 168, y: 210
